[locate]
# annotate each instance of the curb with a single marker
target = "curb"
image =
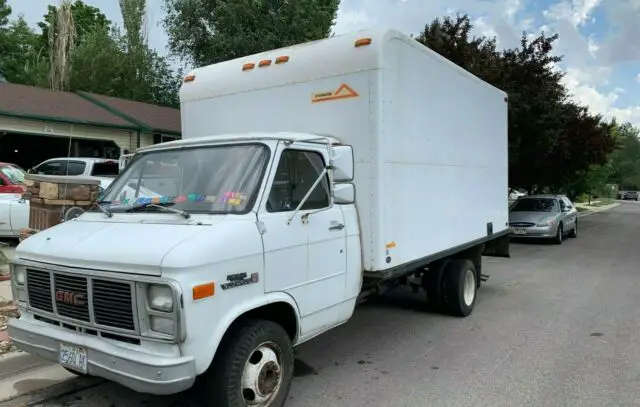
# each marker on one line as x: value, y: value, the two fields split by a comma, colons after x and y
x: 601, y: 209
x: 28, y: 380
x: 18, y: 362
x: 52, y: 392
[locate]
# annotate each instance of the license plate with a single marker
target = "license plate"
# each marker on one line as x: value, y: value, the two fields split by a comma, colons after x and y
x: 519, y: 231
x: 73, y: 357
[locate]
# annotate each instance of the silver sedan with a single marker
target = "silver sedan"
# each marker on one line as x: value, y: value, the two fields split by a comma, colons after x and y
x: 544, y: 217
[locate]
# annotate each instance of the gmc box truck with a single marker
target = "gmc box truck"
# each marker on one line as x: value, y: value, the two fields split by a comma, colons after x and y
x: 307, y: 179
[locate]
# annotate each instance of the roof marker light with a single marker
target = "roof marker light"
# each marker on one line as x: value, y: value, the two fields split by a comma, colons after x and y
x: 264, y: 62
x: 282, y: 59
x: 248, y: 66
x: 362, y: 42
x: 189, y: 78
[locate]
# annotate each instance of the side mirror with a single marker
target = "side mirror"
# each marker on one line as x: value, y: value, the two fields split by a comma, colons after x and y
x: 30, y: 171
x: 566, y: 209
x: 344, y: 194
x: 342, y: 163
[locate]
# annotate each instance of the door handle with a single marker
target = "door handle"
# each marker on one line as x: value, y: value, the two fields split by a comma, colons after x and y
x: 336, y: 226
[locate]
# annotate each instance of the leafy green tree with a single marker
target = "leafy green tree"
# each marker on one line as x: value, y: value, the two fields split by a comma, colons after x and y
x: 204, y: 32
x: 625, y: 160
x: 87, y: 20
x: 20, y: 61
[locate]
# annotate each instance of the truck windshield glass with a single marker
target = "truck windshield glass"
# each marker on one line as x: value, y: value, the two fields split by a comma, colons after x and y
x: 221, y: 179
x: 535, y: 205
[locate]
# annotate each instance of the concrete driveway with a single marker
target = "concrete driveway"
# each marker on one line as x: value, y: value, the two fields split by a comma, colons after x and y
x: 554, y: 326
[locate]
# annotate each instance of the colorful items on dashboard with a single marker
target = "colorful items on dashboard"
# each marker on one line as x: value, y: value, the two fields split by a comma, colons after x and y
x: 229, y: 198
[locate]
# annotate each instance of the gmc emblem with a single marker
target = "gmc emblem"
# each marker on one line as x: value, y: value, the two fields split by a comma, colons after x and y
x: 71, y: 298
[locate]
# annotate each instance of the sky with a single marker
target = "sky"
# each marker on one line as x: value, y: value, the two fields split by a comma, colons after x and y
x: 599, y: 39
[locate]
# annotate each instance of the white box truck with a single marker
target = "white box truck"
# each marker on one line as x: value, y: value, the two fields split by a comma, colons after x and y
x: 307, y: 179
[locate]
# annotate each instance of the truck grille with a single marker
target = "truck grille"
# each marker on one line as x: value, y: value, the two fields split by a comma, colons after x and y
x: 109, y: 305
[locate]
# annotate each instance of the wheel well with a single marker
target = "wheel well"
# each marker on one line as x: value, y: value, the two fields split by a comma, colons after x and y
x: 278, y: 312
x: 474, y: 254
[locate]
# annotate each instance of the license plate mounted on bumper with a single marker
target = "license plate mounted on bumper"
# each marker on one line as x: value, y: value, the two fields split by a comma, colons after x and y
x: 519, y: 231
x: 73, y: 357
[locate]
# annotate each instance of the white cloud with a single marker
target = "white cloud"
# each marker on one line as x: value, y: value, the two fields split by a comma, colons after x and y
x: 638, y: 78
x: 623, y: 44
x: 581, y: 84
x: 576, y: 12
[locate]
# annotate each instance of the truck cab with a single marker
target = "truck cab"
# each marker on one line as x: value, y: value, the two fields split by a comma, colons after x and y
x: 195, y: 240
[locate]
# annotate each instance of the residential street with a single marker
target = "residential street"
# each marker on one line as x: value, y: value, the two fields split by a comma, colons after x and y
x: 554, y: 326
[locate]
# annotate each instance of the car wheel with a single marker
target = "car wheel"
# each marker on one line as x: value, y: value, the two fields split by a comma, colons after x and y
x: 559, y: 235
x: 574, y: 231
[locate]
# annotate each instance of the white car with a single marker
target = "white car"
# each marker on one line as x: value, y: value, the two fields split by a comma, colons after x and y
x: 14, y: 215
x: 102, y: 169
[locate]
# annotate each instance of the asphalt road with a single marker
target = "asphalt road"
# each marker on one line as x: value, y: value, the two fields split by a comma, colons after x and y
x: 554, y: 326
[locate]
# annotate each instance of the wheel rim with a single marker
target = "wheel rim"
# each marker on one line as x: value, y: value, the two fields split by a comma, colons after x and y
x: 262, y: 376
x: 469, y: 287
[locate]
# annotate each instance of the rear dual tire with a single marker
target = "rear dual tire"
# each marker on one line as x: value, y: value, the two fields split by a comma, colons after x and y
x: 452, y: 288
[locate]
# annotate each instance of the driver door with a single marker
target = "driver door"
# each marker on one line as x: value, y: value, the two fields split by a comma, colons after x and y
x: 307, y: 257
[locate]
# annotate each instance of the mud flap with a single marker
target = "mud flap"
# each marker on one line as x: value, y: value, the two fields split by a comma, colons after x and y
x: 498, y: 247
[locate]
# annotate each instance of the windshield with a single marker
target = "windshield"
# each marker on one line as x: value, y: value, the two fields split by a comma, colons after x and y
x: 221, y: 179
x: 535, y: 205
x: 14, y: 173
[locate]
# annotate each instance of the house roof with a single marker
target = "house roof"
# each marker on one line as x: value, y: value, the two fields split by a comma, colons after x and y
x: 157, y: 118
x: 86, y: 108
x: 44, y: 104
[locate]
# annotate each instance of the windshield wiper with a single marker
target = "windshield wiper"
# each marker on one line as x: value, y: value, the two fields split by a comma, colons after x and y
x: 164, y: 206
x: 103, y: 209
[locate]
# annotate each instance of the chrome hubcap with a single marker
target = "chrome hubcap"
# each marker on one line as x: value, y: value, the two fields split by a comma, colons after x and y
x: 262, y: 376
x: 469, y: 287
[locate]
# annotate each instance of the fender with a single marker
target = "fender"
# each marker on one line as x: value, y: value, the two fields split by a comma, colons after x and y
x: 202, y: 364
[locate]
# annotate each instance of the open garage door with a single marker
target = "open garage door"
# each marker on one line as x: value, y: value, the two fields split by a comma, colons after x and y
x: 28, y: 151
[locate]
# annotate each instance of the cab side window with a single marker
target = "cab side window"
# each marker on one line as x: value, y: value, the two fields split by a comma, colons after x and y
x: 567, y: 203
x: 296, y: 173
x: 75, y: 167
x: 50, y: 168
x: 563, y: 204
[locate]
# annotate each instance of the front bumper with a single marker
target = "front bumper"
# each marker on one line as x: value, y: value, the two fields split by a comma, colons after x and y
x: 143, y: 372
x: 542, y: 232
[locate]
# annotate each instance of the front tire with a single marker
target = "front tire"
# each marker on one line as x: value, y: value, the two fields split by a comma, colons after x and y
x: 253, y: 367
x: 460, y: 287
x: 574, y: 231
x: 559, y: 235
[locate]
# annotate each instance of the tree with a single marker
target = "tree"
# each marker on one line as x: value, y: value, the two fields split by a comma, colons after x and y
x: 625, y: 160
x: 19, y: 58
x: 204, y: 32
x: 18, y: 53
x: 87, y: 20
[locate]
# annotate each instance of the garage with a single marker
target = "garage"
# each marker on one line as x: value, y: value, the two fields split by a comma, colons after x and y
x: 38, y: 124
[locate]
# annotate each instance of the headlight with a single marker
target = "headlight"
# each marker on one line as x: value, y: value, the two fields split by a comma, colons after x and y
x: 20, y: 275
x: 160, y: 298
x: 163, y: 325
x: 547, y: 222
